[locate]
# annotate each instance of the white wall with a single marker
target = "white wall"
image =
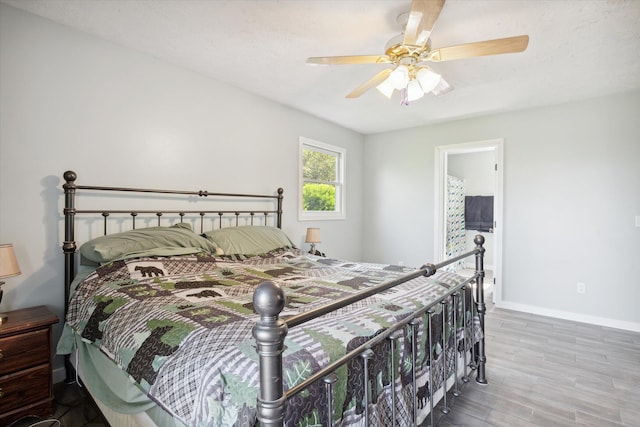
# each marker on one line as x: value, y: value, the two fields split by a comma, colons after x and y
x: 119, y: 117
x: 572, y: 190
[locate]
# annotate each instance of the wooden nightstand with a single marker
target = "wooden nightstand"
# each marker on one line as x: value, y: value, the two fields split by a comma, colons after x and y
x: 26, y: 383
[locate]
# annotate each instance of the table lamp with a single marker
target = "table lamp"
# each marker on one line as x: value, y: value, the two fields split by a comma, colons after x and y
x: 8, y: 268
x: 313, y: 237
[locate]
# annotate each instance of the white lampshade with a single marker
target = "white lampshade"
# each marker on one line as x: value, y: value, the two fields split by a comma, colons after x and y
x: 428, y: 79
x: 414, y: 90
x: 442, y: 87
x: 313, y: 235
x: 386, y: 88
x: 8, y: 262
x: 399, y: 77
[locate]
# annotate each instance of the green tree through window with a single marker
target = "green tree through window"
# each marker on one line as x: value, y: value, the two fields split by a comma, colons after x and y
x: 321, y: 170
x: 318, y: 169
x: 318, y: 197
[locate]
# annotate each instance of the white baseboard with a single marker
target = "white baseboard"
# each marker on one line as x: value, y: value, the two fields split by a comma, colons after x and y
x: 567, y: 315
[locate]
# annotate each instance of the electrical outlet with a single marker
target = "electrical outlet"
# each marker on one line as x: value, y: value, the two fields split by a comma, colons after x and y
x: 581, y: 288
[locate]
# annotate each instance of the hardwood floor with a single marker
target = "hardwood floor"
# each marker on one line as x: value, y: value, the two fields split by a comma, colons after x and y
x: 542, y: 372
x: 550, y: 372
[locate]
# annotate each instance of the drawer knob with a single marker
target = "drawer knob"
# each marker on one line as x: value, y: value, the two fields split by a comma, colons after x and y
x: 1, y: 393
x: 1, y: 355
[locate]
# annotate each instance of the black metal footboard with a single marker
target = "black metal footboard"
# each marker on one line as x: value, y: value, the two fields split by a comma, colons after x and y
x: 270, y: 332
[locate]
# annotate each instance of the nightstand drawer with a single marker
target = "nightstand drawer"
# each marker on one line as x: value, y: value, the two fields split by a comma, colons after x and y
x: 25, y: 387
x: 23, y: 351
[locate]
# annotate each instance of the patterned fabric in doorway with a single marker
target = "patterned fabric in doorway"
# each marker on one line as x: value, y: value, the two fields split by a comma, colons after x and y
x: 456, y: 233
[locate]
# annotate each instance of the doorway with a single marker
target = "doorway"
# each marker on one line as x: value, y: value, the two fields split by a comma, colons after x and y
x: 451, y: 156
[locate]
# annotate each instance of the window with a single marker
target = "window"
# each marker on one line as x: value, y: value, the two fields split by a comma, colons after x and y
x: 321, y: 191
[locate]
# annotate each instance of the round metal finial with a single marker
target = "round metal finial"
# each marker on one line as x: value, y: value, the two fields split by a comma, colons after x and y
x: 330, y: 379
x: 268, y: 299
x: 69, y: 176
x: 280, y: 191
x: 479, y: 239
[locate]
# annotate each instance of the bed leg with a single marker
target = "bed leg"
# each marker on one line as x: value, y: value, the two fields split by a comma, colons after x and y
x: 269, y: 333
x: 68, y: 367
x: 482, y: 308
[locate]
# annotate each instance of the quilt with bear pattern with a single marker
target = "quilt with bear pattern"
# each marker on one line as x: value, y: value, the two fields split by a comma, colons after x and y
x: 180, y: 327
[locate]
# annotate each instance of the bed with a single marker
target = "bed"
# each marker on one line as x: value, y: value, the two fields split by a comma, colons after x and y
x: 213, y: 316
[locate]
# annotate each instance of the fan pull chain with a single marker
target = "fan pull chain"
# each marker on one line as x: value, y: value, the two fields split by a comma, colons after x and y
x: 404, y: 97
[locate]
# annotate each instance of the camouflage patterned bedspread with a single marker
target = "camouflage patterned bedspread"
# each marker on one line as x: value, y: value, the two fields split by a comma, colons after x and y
x: 181, y: 328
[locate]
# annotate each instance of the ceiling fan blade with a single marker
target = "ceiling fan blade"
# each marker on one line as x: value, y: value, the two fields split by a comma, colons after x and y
x: 357, y: 59
x: 488, y: 47
x: 372, y: 82
x: 420, y: 22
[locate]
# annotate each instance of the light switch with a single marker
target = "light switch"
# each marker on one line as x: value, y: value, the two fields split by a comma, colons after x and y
x: 637, y: 220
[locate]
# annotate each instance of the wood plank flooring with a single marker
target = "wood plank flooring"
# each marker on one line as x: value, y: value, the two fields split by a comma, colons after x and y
x: 550, y: 372
x: 542, y: 372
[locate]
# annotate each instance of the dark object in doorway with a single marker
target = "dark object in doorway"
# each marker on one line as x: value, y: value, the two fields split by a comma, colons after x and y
x: 478, y: 213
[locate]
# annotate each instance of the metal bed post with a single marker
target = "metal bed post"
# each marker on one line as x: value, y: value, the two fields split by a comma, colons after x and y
x: 69, y: 249
x: 413, y: 326
x: 454, y: 297
x: 393, y: 338
x: 279, y: 215
x: 366, y: 356
x: 482, y: 308
x: 329, y: 382
x: 445, y: 373
x: 431, y: 364
x: 465, y: 328
x: 269, y: 333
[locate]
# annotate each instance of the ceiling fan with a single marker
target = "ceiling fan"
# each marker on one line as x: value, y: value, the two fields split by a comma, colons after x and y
x: 409, y: 53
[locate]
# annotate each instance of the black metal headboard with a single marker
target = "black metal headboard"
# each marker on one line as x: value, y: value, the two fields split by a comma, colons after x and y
x: 69, y: 247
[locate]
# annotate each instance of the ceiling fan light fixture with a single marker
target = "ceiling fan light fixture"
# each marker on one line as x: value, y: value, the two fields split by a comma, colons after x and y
x: 399, y: 77
x: 414, y: 90
x: 386, y: 88
x: 428, y: 79
x: 442, y: 87
x: 410, y: 50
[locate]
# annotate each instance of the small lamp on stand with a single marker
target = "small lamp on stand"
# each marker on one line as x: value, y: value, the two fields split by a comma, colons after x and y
x: 313, y: 237
x: 8, y: 268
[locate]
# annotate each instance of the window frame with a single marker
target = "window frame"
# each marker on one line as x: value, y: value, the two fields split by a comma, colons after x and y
x: 341, y: 154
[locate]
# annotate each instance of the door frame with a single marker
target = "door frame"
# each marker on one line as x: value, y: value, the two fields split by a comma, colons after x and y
x: 441, y: 165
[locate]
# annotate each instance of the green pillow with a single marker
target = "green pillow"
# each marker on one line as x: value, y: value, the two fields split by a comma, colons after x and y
x: 248, y: 239
x: 130, y: 243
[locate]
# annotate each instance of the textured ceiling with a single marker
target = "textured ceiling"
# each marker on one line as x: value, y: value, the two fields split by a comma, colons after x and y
x: 578, y: 49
